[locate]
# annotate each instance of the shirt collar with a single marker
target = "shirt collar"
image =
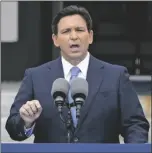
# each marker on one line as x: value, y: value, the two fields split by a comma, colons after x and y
x: 83, y: 65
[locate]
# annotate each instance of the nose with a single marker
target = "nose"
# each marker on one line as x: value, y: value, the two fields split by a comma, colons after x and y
x: 73, y: 35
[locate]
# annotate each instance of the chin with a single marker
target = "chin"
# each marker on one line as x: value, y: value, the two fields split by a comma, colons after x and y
x: 76, y: 55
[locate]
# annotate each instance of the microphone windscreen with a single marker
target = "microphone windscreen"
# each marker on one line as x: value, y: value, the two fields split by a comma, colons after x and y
x: 79, y: 86
x: 60, y: 85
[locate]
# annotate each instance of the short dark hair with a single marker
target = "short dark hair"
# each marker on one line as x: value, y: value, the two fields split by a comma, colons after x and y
x: 71, y: 10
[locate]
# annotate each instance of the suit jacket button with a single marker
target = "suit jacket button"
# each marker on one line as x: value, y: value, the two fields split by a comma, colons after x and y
x: 75, y: 139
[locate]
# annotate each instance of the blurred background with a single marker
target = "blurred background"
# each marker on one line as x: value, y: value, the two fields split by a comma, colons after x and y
x: 122, y: 35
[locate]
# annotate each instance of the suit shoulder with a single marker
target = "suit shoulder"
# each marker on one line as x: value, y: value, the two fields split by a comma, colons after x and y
x: 40, y: 68
x: 109, y: 67
x: 116, y: 71
x: 114, y: 67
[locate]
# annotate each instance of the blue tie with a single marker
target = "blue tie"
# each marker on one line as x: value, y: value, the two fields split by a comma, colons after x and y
x: 74, y: 73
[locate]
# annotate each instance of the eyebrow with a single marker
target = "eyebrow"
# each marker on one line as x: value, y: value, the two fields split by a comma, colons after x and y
x: 70, y: 28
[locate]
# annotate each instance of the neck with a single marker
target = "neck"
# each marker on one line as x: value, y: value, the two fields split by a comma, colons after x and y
x: 75, y: 61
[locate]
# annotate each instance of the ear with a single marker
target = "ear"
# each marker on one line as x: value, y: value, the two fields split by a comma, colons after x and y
x: 55, y: 40
x: 90, y: 36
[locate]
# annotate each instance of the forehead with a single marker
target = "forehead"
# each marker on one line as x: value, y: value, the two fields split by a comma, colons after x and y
x: 71, y: 21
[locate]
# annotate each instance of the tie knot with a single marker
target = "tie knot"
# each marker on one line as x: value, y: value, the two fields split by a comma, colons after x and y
x: 75, y: 71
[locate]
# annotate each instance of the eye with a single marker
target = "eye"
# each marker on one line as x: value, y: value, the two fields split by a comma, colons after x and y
x: 66, y: 31
x: 80, y: 30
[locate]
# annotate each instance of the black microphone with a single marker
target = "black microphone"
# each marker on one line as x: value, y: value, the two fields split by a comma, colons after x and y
x: 79, y: 92
x: 60, y: 89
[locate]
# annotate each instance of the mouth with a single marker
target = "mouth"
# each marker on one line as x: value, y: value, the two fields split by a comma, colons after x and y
x: 74, y: 46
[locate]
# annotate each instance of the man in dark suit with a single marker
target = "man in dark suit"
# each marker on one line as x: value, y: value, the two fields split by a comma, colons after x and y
x: 111, y: 108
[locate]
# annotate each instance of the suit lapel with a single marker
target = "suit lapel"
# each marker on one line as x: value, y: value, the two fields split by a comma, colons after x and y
x: 94, y: 77
x: 56, y: 71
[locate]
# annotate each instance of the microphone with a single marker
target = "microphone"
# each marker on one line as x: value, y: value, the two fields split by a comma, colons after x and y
x: 79, y: 92
x: 59, y: 92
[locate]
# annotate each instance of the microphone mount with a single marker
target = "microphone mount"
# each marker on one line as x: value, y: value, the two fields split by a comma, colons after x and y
x: 79, y: 99
x: 67, y: 120
x: 59, y: 100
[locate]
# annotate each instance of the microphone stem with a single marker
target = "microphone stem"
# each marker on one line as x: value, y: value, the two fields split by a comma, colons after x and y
x: 62, y: 118
x: 69, y: 126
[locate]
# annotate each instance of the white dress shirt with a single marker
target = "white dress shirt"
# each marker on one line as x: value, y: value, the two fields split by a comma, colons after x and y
x: 83, y: 66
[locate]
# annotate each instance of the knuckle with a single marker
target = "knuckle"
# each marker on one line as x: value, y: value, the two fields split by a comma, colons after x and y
x: 28, y: 102
x: 37, y: 102
x: 25, y: 106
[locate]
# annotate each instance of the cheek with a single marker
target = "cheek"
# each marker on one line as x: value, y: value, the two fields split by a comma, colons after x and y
x: 85, y: 42
x: 63, y: 42
x: 86, y: 39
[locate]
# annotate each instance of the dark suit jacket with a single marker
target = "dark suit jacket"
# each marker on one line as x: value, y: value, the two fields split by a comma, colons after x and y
x: 111, y: 108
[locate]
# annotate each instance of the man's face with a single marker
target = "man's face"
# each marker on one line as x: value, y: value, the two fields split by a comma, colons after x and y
x: 73, y: 37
